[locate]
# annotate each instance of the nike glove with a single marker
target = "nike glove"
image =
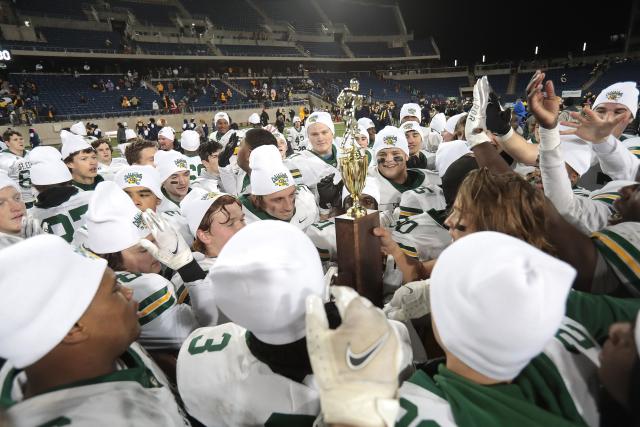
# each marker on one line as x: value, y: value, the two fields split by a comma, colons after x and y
x: 170, y: 248
x: 410, y: 301
x: 498, y: 119
x: 476, y: 120
x: 31, y: 227
x: 329, y: 192
x: 227, y: 152
x: 356, y: 366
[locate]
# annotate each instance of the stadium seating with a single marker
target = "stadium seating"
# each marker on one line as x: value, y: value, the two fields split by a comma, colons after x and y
x: 57, y: 8
x: 329, y: 49
x: 575, y: 78
x: 361, y: 20
x: 499, y: 83
x: 233, y: 15
x: 67, y: 37
x: 374, y: 50
x: 173, y: 48
x: 149, y: 14
x: 421, y: 47
x: 440, y: 87
x: 617, y: 72
x: 251, y: 50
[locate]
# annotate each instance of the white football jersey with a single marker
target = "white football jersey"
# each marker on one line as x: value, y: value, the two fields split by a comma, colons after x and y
x: 208, y: 182
x: 391, y: 193
x: 164, y: 323
x: 421, y: 236
x: 19, y: 169
x: 314, y: 168
x: 108, y: 172
x: 422, y: 199
x: 63, y: 220
x: 306, y: 212
x: 172, y: 213
x: 223, y: 384
x: 199, y: 294
x: 138, y: 393
x: 297, y: 138
x: 195, y: 166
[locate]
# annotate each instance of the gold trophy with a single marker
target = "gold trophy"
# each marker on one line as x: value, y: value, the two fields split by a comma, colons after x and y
x: 359, y: 256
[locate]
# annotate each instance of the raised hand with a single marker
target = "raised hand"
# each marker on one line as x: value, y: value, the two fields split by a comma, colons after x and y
x: 169, y: 248
x: 591, y: 127
x: 542, y: 101
x: 476, y: 120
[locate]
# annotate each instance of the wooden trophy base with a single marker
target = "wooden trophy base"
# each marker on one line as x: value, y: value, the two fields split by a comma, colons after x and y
x: 359, y: 255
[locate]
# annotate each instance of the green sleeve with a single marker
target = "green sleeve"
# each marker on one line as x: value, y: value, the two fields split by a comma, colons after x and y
x: 597, y: 312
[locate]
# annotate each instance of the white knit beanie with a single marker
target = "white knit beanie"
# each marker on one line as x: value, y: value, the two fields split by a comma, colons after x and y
x: 254, y: 119
x: 268, y: 174
x: 411, y: 126
x: 130, y: 134
x: 320, y: 117
x: 450, y: 125
x: 47, y: 172
x: 449, y: 152
x: 42, y: 153
x: 262, y: 278
x: 363, y: 131
x: 438, y: 122
x: 72, y: 143
x: 366, y: 122
x: 167, y: 132
x: 170, y: 162
x: 113, y: 222
x: 195, y: 205
x: 624, y: 93
x: 390, y: 137
x: 54, y: 293
x: 190, y: 140
x: 139, y: 176
x: 411, y: 109
x: 79, y: 129
x: 5, y: 181
x: 221, y: 115
x: 500, y: 310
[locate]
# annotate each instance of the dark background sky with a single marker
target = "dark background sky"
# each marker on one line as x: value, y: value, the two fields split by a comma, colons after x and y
x: 466, y: 29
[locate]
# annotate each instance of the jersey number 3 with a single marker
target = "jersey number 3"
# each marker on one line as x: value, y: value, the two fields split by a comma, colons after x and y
x: 208, y: 345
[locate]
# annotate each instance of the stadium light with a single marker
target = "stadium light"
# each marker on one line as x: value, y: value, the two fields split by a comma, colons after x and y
x: 455, y: 62
x: 536, y: 51
x: 483, y: 59
x: 27, y: 23
x: 584, y: 46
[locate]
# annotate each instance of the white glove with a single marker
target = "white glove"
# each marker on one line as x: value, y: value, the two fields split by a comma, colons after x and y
x: 410, y: 301
x: 170, y: 248
x: 477, y: 117
x: 356, y: 366
x: 31, y: 227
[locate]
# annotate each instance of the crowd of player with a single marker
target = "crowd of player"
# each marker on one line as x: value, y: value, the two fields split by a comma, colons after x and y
x: 188, y: 281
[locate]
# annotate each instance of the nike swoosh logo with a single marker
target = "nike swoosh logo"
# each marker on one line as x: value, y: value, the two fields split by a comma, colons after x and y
x: 300, y: 221
x: 176, y: 251
x: 357, y: 361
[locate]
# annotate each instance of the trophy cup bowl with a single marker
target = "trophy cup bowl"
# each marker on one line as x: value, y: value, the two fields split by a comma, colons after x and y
x: 353, y: 166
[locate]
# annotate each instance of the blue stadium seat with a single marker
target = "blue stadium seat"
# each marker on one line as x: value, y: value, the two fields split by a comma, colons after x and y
x: 327, y: 49
x: 250, y: 50
x: 374, y: 49
x: 421, y: 47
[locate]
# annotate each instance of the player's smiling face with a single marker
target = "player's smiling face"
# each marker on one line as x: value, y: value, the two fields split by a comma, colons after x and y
x: 165, y: 143
x: 281, y: 204
x: 320, y: 137
x: 12, y: 210
x: 136, y: 259
x: 362, y: 140
x: 177, y: 185
x: 392, y: 163
x: 143, y: 198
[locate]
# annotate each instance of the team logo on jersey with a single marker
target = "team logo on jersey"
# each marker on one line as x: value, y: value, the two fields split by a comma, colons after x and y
x: 210, y: 195
x: 133, y: 178
x: 138, y: 221
x: 280, y: 180
x: 81, y: 250
x: 181, y: 163
x: 614, y: 95
x: 390, y: 140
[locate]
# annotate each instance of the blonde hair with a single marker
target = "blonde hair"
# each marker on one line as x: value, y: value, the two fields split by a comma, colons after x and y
x: 505, y: 203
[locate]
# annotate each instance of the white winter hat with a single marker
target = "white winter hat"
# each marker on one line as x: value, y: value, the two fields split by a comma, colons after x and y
x: 254, y: 119
x: 72, y: 143
x: 449, y: 152
x: 167, y: 132
x: 53, y: 294
x: 411, y: 126
x: 450, y: 125
x: 366, y: 122
x: 5, y: 181
x: 139, y: 176
x: 321, y: 117
x: 190, y: 140
x: 195, y: 205
x: 411, y: 109
x: 296, y: 119
x: 268, y: 173
x: 47, y: 172
x: 390, y: 137
x: 130, y: 134
x: 624, y: 93
x: 79, y: 129
x: 113, y: 222
x: 221, y: 115
x: 371, y: 188
x: 500, y: 310
x: 43, y: 153
x: 576, y: 152
x: 438, y: 122
x: 262, y: 278
x: 170, y: 162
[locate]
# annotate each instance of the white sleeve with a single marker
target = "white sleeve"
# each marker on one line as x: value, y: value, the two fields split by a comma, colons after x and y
x: 203, y: 302
x: 589, y: 215
x: 227, y: 181
x: 616, y: 160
